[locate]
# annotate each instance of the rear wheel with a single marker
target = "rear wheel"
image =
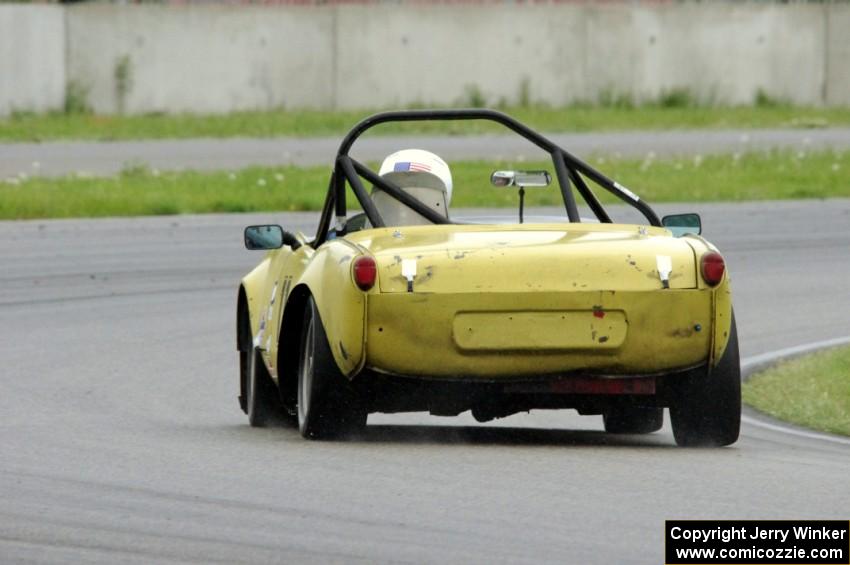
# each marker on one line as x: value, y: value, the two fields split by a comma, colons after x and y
x: 706, y: 408
x: 633, y: 420
x: 328, y: 406
x: 260, y: 393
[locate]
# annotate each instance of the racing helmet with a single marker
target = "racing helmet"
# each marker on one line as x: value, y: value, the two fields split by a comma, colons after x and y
x: 421, y: 174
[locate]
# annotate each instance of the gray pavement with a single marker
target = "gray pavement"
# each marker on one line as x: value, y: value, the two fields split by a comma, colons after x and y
x: 105, y: 158
x: 121, y: 439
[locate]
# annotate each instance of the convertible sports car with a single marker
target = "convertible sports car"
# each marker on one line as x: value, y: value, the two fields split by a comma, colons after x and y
x: 398, y: 306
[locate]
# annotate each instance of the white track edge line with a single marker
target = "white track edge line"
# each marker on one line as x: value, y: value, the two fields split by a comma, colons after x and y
x: 752, y: 364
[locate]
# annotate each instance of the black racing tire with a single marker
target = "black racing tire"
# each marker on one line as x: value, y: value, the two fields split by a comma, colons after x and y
x: 260, y: 393
x: 706, y: 406
x: 244, y: 366
x: 328, y: 406
x: 633, y: 419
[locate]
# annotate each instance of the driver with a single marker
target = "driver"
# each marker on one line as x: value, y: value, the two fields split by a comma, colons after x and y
x: 421, y: 174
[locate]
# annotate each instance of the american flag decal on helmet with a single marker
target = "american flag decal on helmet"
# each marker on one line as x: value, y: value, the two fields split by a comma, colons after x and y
x: 410, y: 166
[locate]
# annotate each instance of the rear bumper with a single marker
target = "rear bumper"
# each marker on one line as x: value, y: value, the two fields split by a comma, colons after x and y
x: 485, y: 336
x: 501, y: 397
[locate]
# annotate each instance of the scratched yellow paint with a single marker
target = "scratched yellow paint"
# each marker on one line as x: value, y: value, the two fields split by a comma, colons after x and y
x: 326, y: 273
x: 721, y: 305
x: 531, y: 258
x: 540, y: 299
x: 660, y: 333
x: 537, y: 330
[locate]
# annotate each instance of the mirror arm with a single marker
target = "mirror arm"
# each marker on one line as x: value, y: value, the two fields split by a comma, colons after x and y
x: 521, y: 202
x: 290, y: 240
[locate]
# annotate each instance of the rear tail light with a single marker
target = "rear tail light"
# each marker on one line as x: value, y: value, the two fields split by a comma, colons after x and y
x: 365, y: 272
x: 712, y: 267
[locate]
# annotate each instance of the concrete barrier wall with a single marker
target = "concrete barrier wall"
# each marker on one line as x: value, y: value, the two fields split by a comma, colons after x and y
x: 204, y: 58
x: 201, y: 58
x: 32, y: 58
x: 722, y: 52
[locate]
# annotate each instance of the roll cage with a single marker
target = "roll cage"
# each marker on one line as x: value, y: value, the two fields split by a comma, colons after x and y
x: 568, y: 168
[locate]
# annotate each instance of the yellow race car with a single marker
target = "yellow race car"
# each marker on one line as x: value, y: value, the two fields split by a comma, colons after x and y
x: 400, y: 306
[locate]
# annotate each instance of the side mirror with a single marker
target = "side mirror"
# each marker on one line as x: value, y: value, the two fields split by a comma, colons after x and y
x: 267, y: 237
x: 681, y: 224
x: 522, y: 179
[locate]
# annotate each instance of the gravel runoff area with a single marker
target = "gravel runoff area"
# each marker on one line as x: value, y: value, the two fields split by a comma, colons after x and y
x: 105, y: 158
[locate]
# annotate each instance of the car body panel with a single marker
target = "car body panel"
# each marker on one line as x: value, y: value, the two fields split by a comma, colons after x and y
x: 722, y: 301
x: 535, y: 330
x: 325, y: 273
x: 528, y: 257
x: 619, y: 333
x: 341, y: 305
x: 494, y: 302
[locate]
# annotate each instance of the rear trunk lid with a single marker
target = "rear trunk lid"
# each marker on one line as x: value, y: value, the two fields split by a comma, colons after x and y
x: 529, y: 258
x: 537, y: 299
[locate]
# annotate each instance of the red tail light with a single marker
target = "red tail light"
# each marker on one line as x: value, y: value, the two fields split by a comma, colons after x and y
x: 713, y: 267
x: 365, y: 272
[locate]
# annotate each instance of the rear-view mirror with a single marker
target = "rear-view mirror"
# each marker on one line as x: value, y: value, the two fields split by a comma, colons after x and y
x: 521, y: 179
x: 681, y: 224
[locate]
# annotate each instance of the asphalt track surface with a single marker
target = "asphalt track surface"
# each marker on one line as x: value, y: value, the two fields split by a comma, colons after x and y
x: 105, y: 158
x: 122, y: 440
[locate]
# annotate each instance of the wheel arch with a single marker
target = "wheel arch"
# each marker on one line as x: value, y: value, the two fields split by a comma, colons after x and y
x: 244, y: 342
x: 289, y: 342
x: 244, y: 339
x: 341, y: 304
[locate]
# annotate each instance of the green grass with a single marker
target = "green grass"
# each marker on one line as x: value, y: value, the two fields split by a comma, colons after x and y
x: 139, y: 190
x: 812, y: 391
x: 668, y: 112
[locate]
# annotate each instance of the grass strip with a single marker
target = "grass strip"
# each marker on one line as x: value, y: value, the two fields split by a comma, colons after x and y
x: 812, y: 391
x: 24, y: 127
x: 139, y: 190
